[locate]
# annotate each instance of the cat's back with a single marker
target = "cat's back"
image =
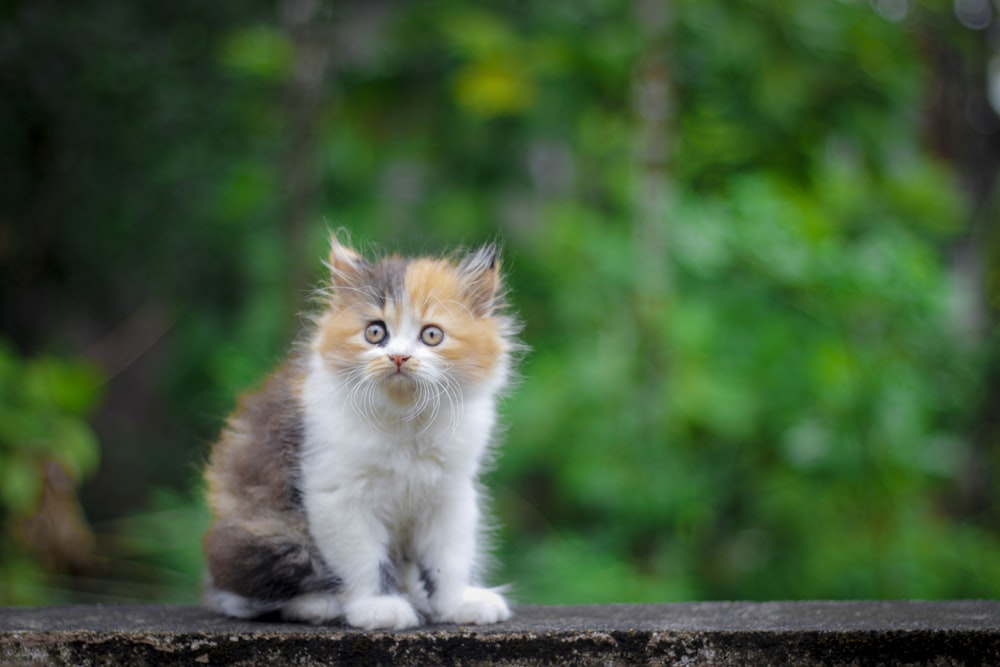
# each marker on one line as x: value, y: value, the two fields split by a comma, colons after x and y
x: 255, y: 463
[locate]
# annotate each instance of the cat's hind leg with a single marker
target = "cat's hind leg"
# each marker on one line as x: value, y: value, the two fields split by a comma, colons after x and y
x: 252, y: 574
x: 316, y: 608
x: 235, y: 605
x: 313, y: 608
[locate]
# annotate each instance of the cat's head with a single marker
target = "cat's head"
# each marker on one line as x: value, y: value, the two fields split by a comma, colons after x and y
x: 416, y: 329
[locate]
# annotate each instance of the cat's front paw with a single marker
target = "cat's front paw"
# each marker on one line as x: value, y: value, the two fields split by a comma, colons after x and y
x: 384, y: 612
x: 479, y: 606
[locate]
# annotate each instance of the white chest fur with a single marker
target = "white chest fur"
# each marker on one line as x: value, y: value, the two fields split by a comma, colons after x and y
x: 381, y: 461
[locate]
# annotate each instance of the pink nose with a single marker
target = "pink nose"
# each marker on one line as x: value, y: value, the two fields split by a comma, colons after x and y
x: 399, y: 359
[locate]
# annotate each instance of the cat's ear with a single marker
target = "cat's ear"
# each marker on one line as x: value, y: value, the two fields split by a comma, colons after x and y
x: 345, y: 263
x: 480, y: 272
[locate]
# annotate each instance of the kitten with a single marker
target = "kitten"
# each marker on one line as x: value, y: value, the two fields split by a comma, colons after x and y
x: 346, y: 488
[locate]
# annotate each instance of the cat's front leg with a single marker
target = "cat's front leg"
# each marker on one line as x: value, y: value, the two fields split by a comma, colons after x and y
x: 447, y: 559
x: 355, y: 546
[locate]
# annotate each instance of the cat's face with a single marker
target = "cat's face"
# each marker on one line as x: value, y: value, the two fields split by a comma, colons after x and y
x: 415, y: 330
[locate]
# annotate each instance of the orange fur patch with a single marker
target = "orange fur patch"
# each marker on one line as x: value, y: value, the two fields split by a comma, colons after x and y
x: 338, y: 338
x: 436, y: 291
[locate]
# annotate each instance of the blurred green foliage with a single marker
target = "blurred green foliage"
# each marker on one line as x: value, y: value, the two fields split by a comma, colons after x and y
x: 786, y: 408
x: 44, y: 403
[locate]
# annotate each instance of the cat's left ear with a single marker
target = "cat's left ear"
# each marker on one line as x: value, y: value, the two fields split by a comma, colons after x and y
x: 481, y: 279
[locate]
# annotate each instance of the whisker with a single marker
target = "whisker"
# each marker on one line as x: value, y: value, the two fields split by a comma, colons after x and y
x: 452, y: 301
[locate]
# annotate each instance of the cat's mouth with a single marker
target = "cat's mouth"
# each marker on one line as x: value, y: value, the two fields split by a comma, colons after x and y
x: 400, y: 386
x: 399, y: 375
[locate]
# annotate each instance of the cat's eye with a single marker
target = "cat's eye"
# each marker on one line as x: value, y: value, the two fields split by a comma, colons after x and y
x: 375, y: 332
x: 431, y: 335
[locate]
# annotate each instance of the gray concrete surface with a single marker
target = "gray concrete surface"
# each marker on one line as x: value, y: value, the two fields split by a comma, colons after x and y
x: 723, y: 633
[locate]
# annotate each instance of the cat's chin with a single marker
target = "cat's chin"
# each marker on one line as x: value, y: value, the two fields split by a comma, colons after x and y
x: 401, y: 388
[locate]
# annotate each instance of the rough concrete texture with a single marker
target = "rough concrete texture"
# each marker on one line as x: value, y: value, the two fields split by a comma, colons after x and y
x: 773, y: 633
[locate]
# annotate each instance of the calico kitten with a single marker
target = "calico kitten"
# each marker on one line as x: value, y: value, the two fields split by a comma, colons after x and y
x: 346, y: 488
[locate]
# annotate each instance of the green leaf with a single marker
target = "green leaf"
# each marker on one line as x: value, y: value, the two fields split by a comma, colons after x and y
x: 20, y: 484
x: 262, y: 51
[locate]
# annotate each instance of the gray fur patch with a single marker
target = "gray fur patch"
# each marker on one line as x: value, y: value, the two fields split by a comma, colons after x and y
x: 428, y: 580
x: 264, y: 570
x: 388, y: 578
x: 385, y: 279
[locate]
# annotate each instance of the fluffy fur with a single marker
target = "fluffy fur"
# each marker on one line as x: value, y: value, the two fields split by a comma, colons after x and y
x: 346, y: 488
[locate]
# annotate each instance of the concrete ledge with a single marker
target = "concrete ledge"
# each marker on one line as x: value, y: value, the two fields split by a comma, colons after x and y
x: 785, y: 633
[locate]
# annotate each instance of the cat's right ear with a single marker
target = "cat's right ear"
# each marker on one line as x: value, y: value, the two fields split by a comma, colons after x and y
x: 345, y: 264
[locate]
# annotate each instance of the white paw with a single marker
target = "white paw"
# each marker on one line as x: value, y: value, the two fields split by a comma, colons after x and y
x: 479, y: 606
x: 235, y: 605
x: 379, y: 613
x: 313, y: 608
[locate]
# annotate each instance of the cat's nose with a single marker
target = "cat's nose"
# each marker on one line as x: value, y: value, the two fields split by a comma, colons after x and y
x: 399, y: 359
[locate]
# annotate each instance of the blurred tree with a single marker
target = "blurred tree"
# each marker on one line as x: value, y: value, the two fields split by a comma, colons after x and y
x: 309, y: 34
x: 962, y: 126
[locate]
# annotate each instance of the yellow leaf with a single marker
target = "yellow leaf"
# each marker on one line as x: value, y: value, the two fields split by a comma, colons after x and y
x: 494, y: 87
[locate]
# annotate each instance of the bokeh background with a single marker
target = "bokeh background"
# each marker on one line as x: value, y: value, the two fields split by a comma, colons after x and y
x: 754, y: 244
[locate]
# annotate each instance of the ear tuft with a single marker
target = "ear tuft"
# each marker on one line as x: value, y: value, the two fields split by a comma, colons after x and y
x: 344, y: 263
x: 481, y: 275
